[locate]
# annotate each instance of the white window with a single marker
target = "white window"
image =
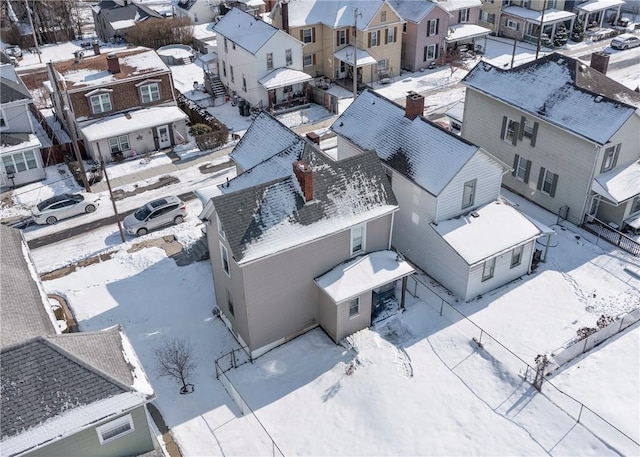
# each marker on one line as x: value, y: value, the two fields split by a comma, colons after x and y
x: 307, y: 36
x: 391, y: 35
x: 547, y: 182
x: 488, y: 269
x: 383, y: 16
x: 100, y: 103
x: 513, y: 25
x: 432, y: 27
x: 225, y: 259
x: 288, y: 56
x: 463, y: 15
x: 119, y: 143
x: 19, y: 161
x: 115, y: 429
x: 150, y: 93
x: 220, y: 229
x: 610, y: 158
x: 516, y: 256
x: 487, y: 17
x: 357, y: 239
x: 430, y: 52
x: 469, y: 194
x: 382, y: 65
x: 522, y: 168
x: 269, y: 60
x: 226, y: 46
x: 307, y: 60
x: 528, y: 129
x: 374, y: 38
x: 354, y: 308
x: 224, y: 68
x: 525, y: 3
x: 342, y: 37
x: 510, y: 130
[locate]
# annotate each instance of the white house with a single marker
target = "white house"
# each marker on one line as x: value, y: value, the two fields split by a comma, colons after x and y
x: 199, y: 11
x: 452, y: 222
x: 259, y: 63
x: 21, y: 161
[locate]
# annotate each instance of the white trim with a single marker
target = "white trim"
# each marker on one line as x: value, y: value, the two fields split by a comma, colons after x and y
x: 114, y: 425
x: 148, y: 81
x: 98, y: 91
x: 363, y: 241
x: 223, y: 251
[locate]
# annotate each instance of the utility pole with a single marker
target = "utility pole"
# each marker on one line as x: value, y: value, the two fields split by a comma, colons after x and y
x: 355, y: 53
x: 544, y: 7
x: 113, y: 201
x: 33, y: 31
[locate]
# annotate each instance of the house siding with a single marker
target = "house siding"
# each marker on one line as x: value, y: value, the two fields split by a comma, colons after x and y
x: 17, y: 118
x: 328, y: 315
x: 346, y: 325
x: 564, y: 154
x: 443, y: 263
x: 417, y: 39
x: 86, y: 442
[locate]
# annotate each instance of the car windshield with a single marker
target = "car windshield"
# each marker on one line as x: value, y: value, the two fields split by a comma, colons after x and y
x: 142, y: 213
x: 58, y: 198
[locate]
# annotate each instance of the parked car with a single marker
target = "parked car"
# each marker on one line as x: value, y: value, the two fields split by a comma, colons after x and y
x: 63, y: 206
x: 625, y: 41
x: 13, y: 51
x: 157, y: 213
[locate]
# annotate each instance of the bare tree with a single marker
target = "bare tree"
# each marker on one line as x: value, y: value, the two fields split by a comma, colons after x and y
x: 174, y: 359
x: 156, y: 32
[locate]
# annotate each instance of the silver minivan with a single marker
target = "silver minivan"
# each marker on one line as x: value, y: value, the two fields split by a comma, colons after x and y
x: 157, y: 213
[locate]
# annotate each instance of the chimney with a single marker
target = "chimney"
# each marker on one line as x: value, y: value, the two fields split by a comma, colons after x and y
x: 414, y: 105
x: 96, y: 47
x: 113, y: 64
x: 600, y: 62
x: 305, y: 179
x: 285, y: 15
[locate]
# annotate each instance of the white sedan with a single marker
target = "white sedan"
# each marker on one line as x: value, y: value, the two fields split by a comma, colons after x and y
x: 63, y: 206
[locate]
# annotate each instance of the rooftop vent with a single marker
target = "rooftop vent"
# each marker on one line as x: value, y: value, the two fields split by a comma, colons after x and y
x: 474, y: 214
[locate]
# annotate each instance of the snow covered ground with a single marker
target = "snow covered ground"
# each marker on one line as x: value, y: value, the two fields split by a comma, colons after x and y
x: 416, y: 383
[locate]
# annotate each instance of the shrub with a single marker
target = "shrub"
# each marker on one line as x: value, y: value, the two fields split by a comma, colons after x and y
x: 199, y: 129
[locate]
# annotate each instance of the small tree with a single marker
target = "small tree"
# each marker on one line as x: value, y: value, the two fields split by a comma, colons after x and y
x: 577, y: 34
x: 174, y: 359
x: 561, y: 36
x: 199, y: 129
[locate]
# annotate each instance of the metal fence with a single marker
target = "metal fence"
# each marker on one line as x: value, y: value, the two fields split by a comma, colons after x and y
x: 613, y: 236
x: 511, y: 365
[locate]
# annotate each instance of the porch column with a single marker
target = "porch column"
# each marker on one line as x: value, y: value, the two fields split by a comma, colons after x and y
x: 404, y: 292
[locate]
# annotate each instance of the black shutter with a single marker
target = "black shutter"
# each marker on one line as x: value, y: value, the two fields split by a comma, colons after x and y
x: 428, y: 28
x: 516, y: 159
x: 504, y: 127
x: 378, y: 38
x: 302, y: 35
x: 437, y: 25
x: 395, y: 34
x: 313, y: 34
x: 534, y: 134
x: 527, y: 171
x: 386, y: 36
x: 459, y: 16
x: 615, y: 156
x: 516, y: 127
x: 338, y: 37
x: 523, y: 121
x: 369, y: 45
x: 540, y: 178
x: 554, y: 184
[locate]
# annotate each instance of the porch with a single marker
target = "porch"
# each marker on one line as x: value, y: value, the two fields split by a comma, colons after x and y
x: 287, y: 89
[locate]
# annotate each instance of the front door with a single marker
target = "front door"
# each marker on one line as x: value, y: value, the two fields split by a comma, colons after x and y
x: 164, y: 141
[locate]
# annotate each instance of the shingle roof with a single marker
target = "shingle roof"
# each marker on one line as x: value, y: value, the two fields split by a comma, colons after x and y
x: 335, y: 14
x: 420, y: 150
x: 245, y: 30
x: 563, y: 91
x: 412, y: 10
x: 114, y: 12
x: 11, y: 91
x: 22, y: 312
x: 272, y: 215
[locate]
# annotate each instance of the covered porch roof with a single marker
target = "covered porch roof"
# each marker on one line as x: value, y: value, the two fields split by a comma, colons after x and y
x: 618, y: 185
x: 282, y: 77
x: 550, y: 16
x: 465, y: 32
x: 122, y: 124
x: 363, y: 274
x: 346, y: 55
x: 598, y: 5
x: 14, y: 142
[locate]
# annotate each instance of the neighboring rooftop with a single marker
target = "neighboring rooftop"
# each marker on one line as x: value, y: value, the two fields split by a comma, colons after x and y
x: 245, y: 30
x: 563, y: 91
x: 130, y: 13
x: 413, y: 11
x: 12, y: 91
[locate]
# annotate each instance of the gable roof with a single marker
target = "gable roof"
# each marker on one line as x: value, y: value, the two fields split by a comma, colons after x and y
x: 265, y: 137
x: 562, y: 91
x: 411, y: 10
x: 455, y: 5
x: 272, y: 216
x: 420, y: 150
x: 11, y: 91
x: 334, y: 14
x: 246, y: 31
x: 113, y: 12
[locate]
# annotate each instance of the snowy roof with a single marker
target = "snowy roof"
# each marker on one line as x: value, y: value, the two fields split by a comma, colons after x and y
x: 11, y: 142
x: 93, y: 70
x: 465, y: 32
x: 264, y: 138
x: 420, y: 150
x: 335, y: 14
x: 455, y: 5
x: 132, y: 12
x: 245, y: 30
x: 120, y: 124
x: 281, y: 77
x: 413, y: 11
x: 550, y: 15
x: 456, y: 112
x: 362, y: 274
x: 562, y: 91
x: 272, y: 216
x: 487, y: 231
x: 346, y: 55
x: 598, y: 5
x: 11, y: 91
x: 204, y: 31
x: 619, y: 184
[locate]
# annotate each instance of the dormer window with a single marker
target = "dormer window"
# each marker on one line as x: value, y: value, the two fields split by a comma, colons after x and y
x: 100, y: 103
x: 150, y: 93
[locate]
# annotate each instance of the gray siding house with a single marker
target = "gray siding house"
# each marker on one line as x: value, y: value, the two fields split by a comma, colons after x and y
x: 63, y: 394
x: 570, y: 132
x: 280, y: 232
x: 452, y: 222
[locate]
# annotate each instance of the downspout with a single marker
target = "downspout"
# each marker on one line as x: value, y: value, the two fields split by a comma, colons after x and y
x: 393, y: 216
x: 591, y: 178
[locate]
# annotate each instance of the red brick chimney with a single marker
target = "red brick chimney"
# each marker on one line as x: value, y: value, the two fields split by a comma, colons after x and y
x: 305, y: 179
x: 414, y: 106
x: 113, y: 64
x: 600, y: 62
x: 96, y: 47
x: 285, y: 15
